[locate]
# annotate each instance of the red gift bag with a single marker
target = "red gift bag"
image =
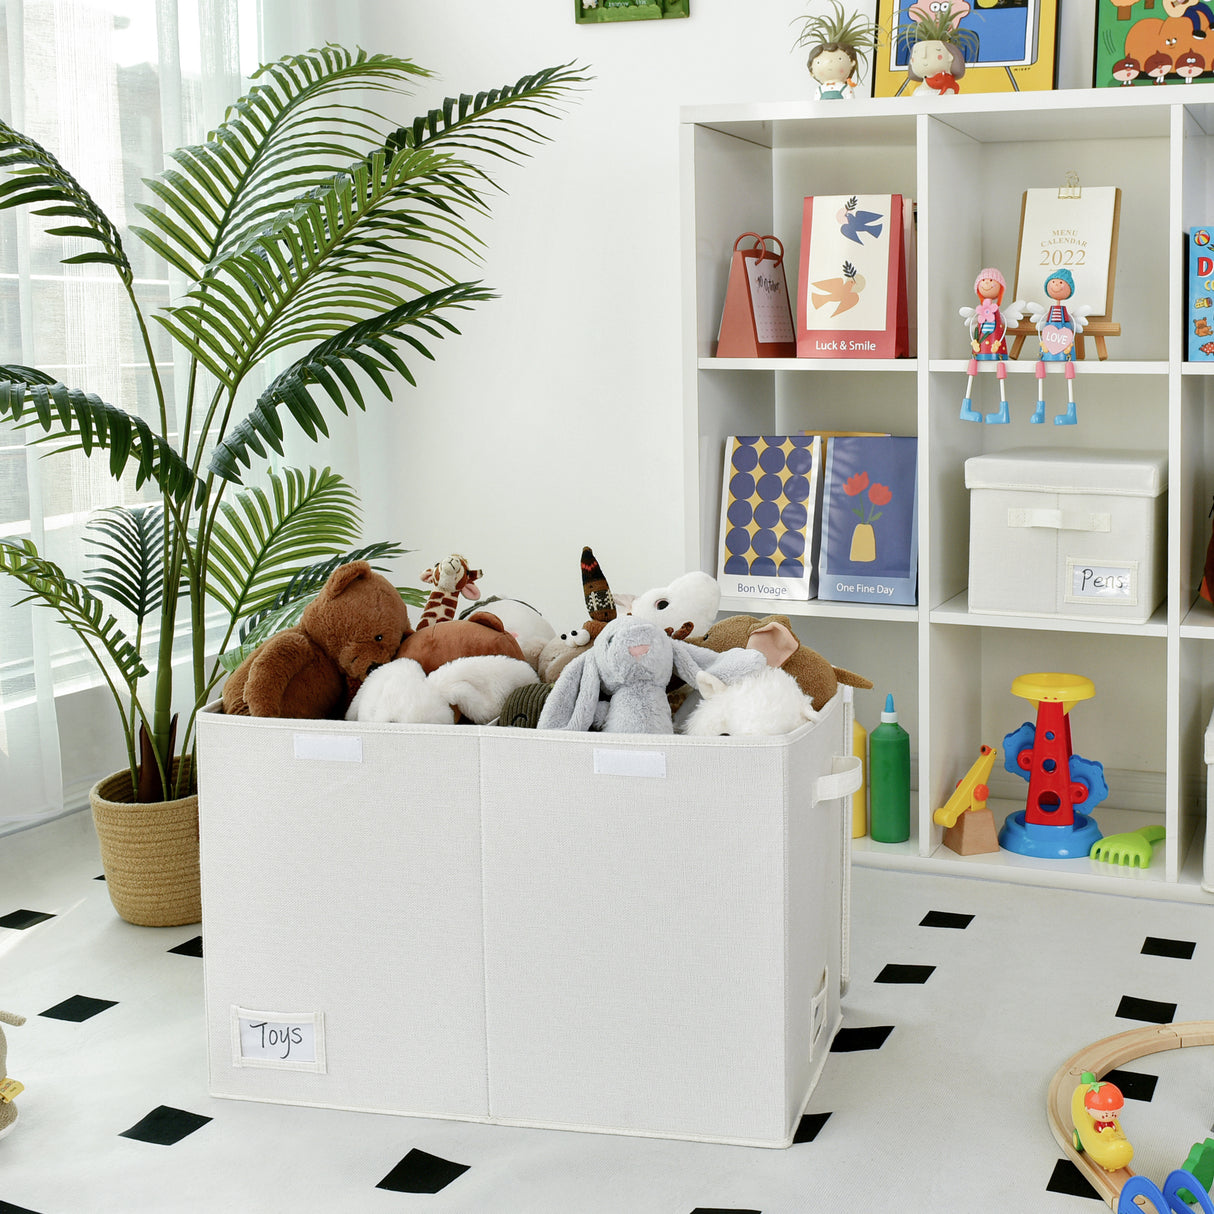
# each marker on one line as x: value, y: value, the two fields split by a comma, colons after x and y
x: 756, y: 321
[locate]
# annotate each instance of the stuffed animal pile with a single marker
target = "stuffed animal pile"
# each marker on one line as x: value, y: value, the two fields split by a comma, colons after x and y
x: 628, y: 668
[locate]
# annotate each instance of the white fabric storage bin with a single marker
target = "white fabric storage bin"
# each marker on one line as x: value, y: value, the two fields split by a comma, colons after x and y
x: 1069, y: 533
x: 1207, y: 867
x: 618, y: 933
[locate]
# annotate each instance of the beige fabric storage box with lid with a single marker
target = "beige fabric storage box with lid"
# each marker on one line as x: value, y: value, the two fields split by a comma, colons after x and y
x: 1070, y: 533
x: 618, y: 933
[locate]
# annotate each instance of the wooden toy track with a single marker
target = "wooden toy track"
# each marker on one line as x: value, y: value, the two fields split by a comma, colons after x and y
x: 1101, y: 1057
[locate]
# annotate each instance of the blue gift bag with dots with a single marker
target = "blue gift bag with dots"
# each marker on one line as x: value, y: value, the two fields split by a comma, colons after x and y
x: 770, y: 505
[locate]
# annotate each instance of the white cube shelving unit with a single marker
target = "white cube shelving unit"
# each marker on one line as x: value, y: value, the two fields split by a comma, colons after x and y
x: 966, y: 161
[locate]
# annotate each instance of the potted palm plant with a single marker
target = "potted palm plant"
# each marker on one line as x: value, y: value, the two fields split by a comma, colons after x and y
x: 313, y: 233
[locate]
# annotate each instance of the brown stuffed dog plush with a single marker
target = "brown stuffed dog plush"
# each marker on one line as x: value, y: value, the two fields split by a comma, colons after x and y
x: 356, y: 623
x: 480, y: 634
x: 774, y: 637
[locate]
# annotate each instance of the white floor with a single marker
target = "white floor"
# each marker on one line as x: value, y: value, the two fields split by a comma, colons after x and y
x: 947, y: 1114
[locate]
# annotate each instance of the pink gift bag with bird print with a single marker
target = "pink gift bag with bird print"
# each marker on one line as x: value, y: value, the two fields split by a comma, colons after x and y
x: 853, y: 294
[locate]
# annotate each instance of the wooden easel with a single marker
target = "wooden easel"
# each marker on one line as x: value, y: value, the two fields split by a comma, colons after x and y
x: 1098, y: 328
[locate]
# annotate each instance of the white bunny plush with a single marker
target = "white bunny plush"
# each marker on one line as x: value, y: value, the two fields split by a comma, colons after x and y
x: 766, y: 702
x: 472, y: 688
x: 619, y: 683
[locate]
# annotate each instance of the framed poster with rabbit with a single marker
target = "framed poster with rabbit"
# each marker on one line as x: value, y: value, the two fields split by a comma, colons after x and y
x: 1153, y: 42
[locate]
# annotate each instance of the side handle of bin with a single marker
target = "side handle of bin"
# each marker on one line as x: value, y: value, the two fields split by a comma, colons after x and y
x: 845, y: 777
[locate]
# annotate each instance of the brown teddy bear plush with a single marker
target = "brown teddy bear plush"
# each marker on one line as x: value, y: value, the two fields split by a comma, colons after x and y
x: 774, y: 637
x: 311, y: 671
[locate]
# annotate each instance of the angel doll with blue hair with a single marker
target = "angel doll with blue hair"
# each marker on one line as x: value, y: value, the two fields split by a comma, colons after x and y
x: 1058, y: 324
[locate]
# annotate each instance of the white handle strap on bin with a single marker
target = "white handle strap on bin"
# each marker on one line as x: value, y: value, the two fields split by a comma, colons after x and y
x: 1059, y: 520
x: 846, y: 775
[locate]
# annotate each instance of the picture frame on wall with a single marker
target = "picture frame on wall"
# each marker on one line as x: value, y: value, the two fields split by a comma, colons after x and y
x: 1150, y: 42
x: 596, y: 12
x: 1011, y: 46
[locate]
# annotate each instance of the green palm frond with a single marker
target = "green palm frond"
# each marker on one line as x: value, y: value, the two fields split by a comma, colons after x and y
x: 486, y: 123
x: 304, y: 586
x: 16, y: 375
x: 129, y: 548
x: 75, y: 604
x: 345, y: 254
x: 264, y: 537
x: 290, y: 133
x: 84, y: 422
x: 35, y: 176
x: 368, y: 346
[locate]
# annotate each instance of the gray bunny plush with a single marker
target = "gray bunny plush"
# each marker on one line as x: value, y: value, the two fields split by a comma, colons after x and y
x: 619, y: 684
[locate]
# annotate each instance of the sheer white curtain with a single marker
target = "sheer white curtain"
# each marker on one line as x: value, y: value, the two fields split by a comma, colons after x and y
x: 108, y: 86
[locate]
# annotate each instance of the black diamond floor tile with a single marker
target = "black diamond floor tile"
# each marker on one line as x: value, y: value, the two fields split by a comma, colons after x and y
x: 189, y: 948
x: 21, y: 919
x: 1134, y: 1085
x: 905, y: 975
x: 7, y: 1207
x: 1156, y: 946
x: 946, y: 919
x: 1067, y: 1178
x: 421, y: 1172
x: 723, y: 1210
x: 848, y: 1041
x: 165, y: 1126
x: 78, y: 1008
x: 1131, y: 1008
x: 810, y: 1126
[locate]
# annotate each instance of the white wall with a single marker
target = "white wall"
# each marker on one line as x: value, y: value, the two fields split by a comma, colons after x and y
x: 555, y: 419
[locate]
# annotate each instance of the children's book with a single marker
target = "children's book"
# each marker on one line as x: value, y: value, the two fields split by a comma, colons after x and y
x: 870, y: 521
x: 770, y: 504
x: 1199, y: 297
x: 852, y: 296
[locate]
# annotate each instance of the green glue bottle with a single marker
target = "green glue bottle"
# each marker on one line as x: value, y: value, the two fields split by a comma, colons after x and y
x: 889, y: 778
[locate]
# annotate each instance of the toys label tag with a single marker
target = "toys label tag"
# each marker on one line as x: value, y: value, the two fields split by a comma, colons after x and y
x: 329, y: 747
x: 293, y: 1041
x: 10, y: 1089
x: 1115, y: 581
x: 650, y: 764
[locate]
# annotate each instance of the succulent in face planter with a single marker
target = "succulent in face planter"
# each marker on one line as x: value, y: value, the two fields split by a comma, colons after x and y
x: 308, y: 227
x: 938, y: 45
x: 839, y: 44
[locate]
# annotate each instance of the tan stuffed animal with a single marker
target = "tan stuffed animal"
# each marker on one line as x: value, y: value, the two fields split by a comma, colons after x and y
x: 774, y: 638
x: 311, y: 671
x: 9, y: 1088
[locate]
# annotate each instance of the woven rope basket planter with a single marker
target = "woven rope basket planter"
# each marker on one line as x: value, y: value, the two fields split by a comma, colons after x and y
x: 150, y: 854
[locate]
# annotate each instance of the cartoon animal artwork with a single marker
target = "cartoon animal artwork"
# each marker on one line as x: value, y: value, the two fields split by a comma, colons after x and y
x: 1201, y: 327
x: 843, y: 292
x: 1172, y: 37
x: 855, y: 223
x: 1208, y: 348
